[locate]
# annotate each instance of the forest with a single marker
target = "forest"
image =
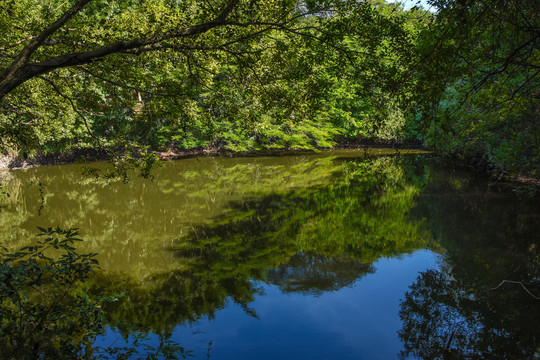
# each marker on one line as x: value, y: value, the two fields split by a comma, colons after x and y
x: 128, y: 79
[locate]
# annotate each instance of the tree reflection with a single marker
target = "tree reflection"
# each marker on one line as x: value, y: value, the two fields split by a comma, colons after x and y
x: 310, y: 273
x: 444, y: 317
x: 308, y: 239
x: 159, y: 304
x: 452, y: 312
x: 434, y: 323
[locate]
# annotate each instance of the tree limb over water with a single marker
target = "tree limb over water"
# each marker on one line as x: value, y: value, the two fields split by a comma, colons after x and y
x: 234, y: 14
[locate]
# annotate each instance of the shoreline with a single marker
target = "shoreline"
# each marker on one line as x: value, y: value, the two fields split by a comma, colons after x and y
x: 92, y: 155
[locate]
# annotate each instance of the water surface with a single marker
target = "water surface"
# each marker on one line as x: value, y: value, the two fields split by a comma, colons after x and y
x: 342, y: 254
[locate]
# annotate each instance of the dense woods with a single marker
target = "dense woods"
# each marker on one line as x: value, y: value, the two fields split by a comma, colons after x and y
x: 126, y: 76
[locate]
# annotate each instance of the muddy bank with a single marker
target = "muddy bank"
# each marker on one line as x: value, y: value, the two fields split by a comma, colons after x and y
x: 86, y: 156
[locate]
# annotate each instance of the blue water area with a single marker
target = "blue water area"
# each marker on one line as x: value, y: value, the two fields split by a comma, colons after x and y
x: 359, y: 321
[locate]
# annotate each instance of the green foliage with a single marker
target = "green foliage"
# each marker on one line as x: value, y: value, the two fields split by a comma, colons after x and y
x: 479, y: 83
x: 44, y: 312
x: 278, y: 75
x: 323, y: 71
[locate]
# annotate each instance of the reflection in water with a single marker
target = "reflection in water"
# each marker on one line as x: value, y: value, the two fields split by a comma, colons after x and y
x: 324, y: 236
x: 487, y: 237
x: 213, y: 242
x: 315, y: 274
x: 444, y: 317
x: 132, y: 225
x: 358, y: 321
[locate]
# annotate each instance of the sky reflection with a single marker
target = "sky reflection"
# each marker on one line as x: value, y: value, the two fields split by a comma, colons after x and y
x: 356, y: 322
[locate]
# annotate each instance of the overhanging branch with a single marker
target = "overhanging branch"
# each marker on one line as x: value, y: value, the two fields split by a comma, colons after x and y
x: 36, y: 42
x: 20, y: 71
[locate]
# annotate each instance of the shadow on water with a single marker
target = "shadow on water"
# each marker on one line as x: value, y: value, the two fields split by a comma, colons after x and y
x: 457, y: 310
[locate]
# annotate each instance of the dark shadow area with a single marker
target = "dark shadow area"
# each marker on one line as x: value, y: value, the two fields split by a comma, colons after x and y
x: 455, y: 311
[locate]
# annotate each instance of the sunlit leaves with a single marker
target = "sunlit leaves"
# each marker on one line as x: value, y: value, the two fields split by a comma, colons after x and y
x: 264, y: 81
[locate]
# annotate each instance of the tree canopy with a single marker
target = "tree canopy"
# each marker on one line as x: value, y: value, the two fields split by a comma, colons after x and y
x: 479, y: 82
x: 245, y: 75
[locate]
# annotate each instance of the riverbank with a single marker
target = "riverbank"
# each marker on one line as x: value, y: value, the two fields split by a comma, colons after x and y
x: 20, y: 162
x: 91, y: 155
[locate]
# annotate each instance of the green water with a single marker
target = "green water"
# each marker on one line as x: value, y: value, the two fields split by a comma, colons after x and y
x: 341, y: 254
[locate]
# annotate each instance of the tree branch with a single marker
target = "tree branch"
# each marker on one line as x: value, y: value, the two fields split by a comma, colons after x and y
x: 57, y: 90
x: 20, y: 72
x: 36, y: 42
x: 517, y: 283
x: 114, y: 82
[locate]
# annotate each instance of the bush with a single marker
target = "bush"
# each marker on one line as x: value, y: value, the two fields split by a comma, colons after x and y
x: 44, y: 312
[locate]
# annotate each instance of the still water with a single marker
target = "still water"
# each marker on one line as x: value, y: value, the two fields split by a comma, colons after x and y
x: 342, y: 254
